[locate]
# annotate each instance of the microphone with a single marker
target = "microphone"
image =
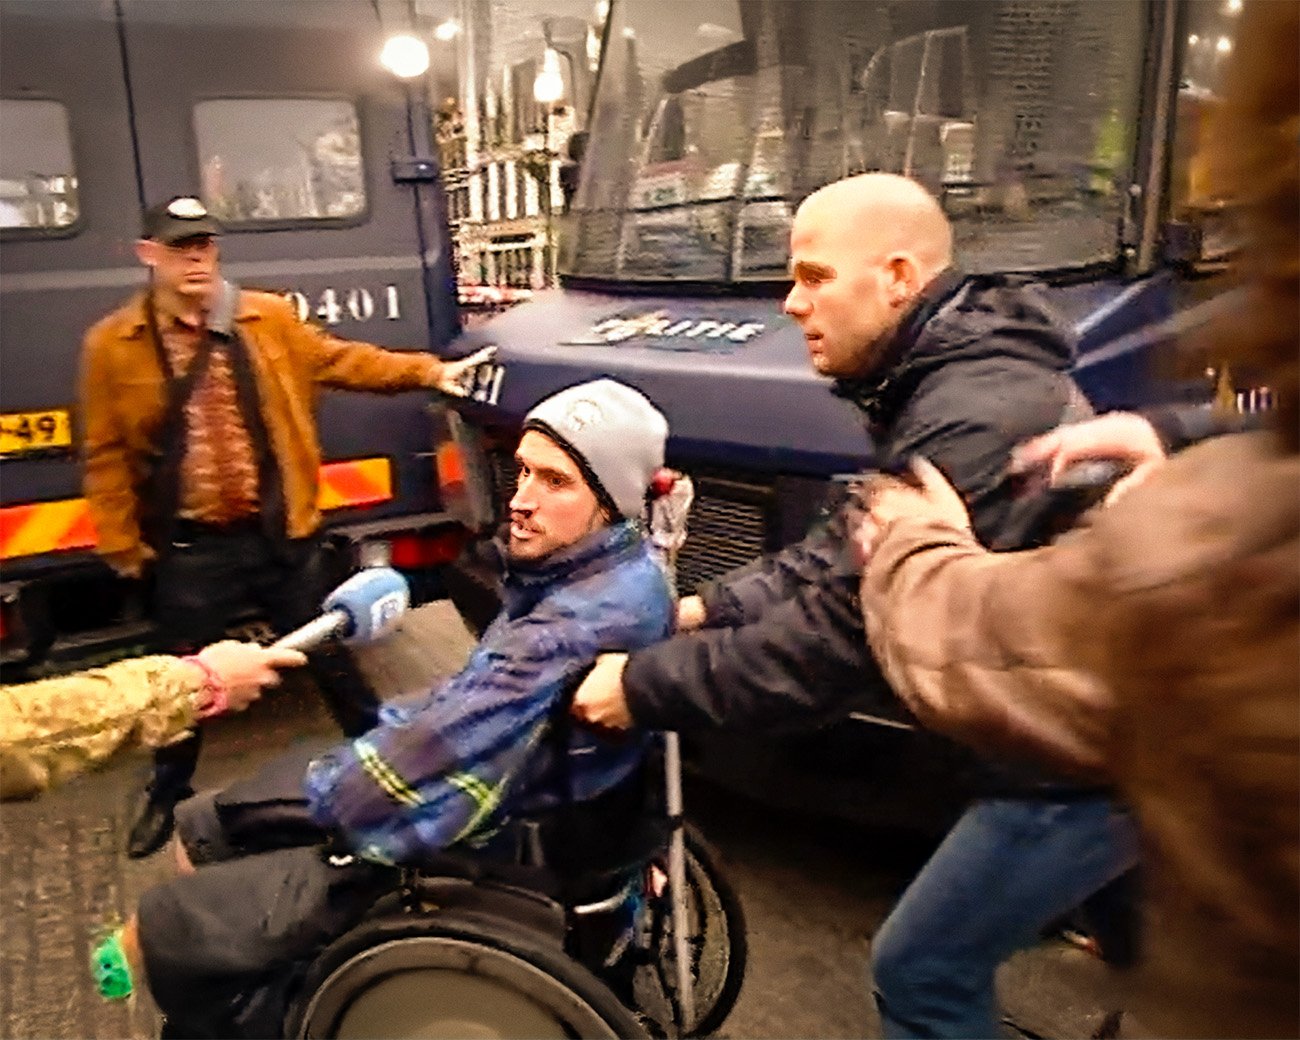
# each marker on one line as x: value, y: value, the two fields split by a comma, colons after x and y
x: 364, y: 608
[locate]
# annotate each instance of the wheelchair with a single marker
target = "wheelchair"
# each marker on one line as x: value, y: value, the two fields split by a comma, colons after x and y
x: 547, y: 945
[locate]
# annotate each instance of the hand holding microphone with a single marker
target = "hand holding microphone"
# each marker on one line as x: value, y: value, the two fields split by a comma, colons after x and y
x: 241, y: 671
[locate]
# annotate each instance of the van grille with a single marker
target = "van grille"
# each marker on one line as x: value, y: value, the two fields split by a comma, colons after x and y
x: 727, y: 528
x: 728, y: 524
x: 505, y: 474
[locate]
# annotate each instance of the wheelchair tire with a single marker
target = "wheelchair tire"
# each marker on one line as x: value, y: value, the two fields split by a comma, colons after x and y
x: 448, y: 974
x: 720, y: 945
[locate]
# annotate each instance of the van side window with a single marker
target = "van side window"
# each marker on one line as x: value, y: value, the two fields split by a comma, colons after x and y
x: 280, y: 159
x: 38, y: 183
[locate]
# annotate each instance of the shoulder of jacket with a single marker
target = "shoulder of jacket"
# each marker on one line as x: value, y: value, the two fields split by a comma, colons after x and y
x: 120, y: 323
x: 1222, y: 499
x: 643, y: 588
x: 606, y: 605
x: 541, y: 633
x: 256, y: 303
x: 1003, y: 377
x: 1009, y: 397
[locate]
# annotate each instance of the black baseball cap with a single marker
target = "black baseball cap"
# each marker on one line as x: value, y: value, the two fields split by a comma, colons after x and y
x: 179, y: 218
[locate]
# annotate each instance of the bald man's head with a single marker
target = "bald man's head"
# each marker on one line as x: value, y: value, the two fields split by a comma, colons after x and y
x: 886, y: 213
x: 861, y: 250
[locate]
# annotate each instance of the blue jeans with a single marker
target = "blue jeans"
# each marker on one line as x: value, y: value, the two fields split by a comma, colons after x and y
x: 1007, y: 870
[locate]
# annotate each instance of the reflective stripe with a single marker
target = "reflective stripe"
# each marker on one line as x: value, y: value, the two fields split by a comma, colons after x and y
x: 489, y: 798
x: 486, y: 799
x: 358, y: 482
x: 41, y: 527
x: 385, y: 775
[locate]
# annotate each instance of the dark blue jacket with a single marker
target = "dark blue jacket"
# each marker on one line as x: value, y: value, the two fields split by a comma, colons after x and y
x: 453, y: 765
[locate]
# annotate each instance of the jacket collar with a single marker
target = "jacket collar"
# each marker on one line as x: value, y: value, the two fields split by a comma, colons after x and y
x: 242, y: 305
x: 978, y: 317
x: 525, y: 583
x: 871, y: 392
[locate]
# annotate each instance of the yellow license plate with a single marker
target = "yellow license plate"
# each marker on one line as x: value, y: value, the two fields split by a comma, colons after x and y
x: 34, y: 431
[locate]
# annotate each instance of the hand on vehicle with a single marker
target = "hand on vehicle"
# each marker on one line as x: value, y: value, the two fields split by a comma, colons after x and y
x: 600, y: 701
x: 928, y: 496
x: 690, y: 613
x: 455, y: 379
x: 1118, y: 436
x: 246, y: 668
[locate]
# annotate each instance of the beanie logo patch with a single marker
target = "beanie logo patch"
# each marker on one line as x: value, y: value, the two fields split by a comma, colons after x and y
x: 583, y: 413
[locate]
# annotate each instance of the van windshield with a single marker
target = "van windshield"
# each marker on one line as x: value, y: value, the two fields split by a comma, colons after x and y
x: 713, y: 119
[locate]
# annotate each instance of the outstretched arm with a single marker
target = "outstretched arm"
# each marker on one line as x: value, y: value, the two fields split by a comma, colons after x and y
x: 437, y: 775
x: 1142, y: 442
x: 984, y: 647
x: 55, y: 728
x: 351, y: 365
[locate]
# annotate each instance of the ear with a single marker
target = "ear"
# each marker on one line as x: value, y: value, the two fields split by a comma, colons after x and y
x: 146, y: 251
x: 904, y: 278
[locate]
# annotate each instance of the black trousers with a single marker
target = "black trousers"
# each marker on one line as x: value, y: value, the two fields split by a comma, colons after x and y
x: 226, y: 947
x: 204, y: 578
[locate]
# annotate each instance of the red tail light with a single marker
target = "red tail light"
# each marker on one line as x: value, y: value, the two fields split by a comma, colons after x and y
x: 428, y: 550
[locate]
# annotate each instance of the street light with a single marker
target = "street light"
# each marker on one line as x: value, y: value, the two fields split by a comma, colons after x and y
x: 548, y: 88
x: 405, y: 56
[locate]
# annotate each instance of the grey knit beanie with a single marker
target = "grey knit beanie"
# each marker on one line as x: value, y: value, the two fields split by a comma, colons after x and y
x: 614, y: 434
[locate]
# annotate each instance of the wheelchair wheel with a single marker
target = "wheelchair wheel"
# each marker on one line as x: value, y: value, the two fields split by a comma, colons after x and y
x: 446, y: 975
x: 717, y: 943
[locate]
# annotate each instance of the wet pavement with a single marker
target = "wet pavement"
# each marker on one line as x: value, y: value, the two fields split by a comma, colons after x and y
x: 813, y: 890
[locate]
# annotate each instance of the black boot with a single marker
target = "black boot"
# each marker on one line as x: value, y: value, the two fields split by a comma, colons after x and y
x: 156, y: 821
x: 172, y: 771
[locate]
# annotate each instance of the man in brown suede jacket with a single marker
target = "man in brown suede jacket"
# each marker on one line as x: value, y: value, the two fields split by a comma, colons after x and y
x: 1157, y: 647
x: 202, y: 459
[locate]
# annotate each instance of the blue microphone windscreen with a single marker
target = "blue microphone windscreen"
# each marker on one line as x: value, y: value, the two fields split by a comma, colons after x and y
x: 374, y: 600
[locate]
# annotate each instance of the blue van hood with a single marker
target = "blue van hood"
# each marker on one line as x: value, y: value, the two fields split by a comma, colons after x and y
x: 732, y: 374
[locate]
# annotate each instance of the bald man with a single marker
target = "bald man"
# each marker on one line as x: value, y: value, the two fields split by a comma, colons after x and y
x: 959, y: 369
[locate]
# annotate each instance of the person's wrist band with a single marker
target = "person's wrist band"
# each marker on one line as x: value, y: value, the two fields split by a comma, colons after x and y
x: 218, y: 696
x: 111, y: 969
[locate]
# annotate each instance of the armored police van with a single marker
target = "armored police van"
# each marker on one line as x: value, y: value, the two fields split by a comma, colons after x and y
x: 319, y: 163
x: 1061, y: 139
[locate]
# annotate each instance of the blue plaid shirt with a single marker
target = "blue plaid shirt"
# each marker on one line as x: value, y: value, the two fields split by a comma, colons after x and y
x: 454, y: 764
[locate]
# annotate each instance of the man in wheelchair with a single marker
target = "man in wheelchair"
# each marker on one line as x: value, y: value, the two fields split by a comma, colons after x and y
x: 281, y: 864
